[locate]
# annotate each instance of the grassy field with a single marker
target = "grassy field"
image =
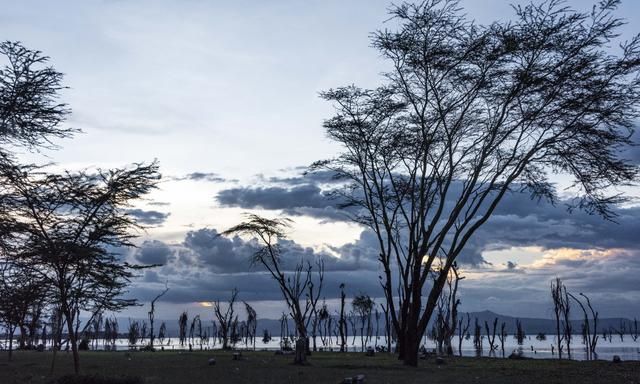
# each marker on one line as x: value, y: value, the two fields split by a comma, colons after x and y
x: 325, y: 367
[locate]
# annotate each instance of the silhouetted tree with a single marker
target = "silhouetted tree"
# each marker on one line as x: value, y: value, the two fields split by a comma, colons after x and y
x: 590, y: 334
x: 561, y: 310
x: 70, y: 224
x: 362, y: 306
x: 296, y: 285
x: 342, y: 322
x: 225, y: 318
x: 520, y: 335
x: 133, y: 334
x: 468, y: 114
x: 463, y: 331
x: 477, y: 337
x: 183, y: 320
x: 30, y: 117
x: 502, y: 336
x: 491, y: 335
x: 21, y: 299
x: 252, y: 324
x: 162, y: 333
x: 152, y: 315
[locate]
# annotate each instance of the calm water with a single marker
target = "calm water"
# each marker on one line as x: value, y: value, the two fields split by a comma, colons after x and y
x: 627, y: 349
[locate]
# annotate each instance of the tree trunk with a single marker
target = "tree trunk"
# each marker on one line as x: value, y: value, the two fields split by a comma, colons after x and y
x: 411, y: 348
x: 74, y: 342
x: 301, y: 351
x: 11, y: 332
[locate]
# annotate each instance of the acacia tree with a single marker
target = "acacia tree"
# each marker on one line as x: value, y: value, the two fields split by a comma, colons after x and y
x: 469, y: 113
x: 30, y: 117
x: 299, y: 289
x: 19, y: 296
x: 30, y: 113
x: 69, y: 226
x: 363, y: 306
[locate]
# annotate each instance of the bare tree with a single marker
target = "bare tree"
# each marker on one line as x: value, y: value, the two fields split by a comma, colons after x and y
x: 469, y: 114
x: 252, y: 323
x: 520, y: 335
x: 182, y: 327
x: 342, y: 323
x: 152, y: 313
x: 502, y: 336
x: 477, y: 337
x: 162, y: 334
x: 590, y: 334
x: 447, y: 311
x: 463, y: 331
x: 561, y: 310
x: 225, y: 318
x: 491, y: 335
x: 299, y: 289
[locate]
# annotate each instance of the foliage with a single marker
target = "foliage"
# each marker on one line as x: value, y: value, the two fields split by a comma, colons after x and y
x: 469, y: 113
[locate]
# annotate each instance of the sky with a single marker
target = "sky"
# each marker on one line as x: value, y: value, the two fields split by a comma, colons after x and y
x: 225, y: 95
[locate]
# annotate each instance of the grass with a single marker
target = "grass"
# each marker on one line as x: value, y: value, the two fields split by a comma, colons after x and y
x: 324, y: 367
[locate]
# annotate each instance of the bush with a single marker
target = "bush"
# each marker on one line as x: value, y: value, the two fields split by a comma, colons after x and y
x: 94, y: 379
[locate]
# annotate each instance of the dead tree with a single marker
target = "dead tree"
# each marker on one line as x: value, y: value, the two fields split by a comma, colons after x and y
x: 300, y: 290
x: 182, y: 328
x: 561, y: 310
x: 225, y: 318
x: 502, y: 336
x: 252, y: 324
x: 151, y: 315
x: 477, y: 338
x: 589, y: 327
x: 491, y: 336
x: 463, y: 331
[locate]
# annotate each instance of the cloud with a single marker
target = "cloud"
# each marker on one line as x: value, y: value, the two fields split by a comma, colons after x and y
x: 153, y: 252
x: 206, y: 266
x: 298, y: 200
x: 204, y: 176
x: 149, y: 217
x: 160, y: 203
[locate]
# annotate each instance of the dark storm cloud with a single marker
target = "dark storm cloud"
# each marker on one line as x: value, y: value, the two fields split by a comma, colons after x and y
x: 302, y: 176
x: 521, y: 222
x: 632, y: 153
x: 517, y: 221
x: 153, y: 252
x: 149, y: 217
x: 205, y: 266
x: 299, y: 200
